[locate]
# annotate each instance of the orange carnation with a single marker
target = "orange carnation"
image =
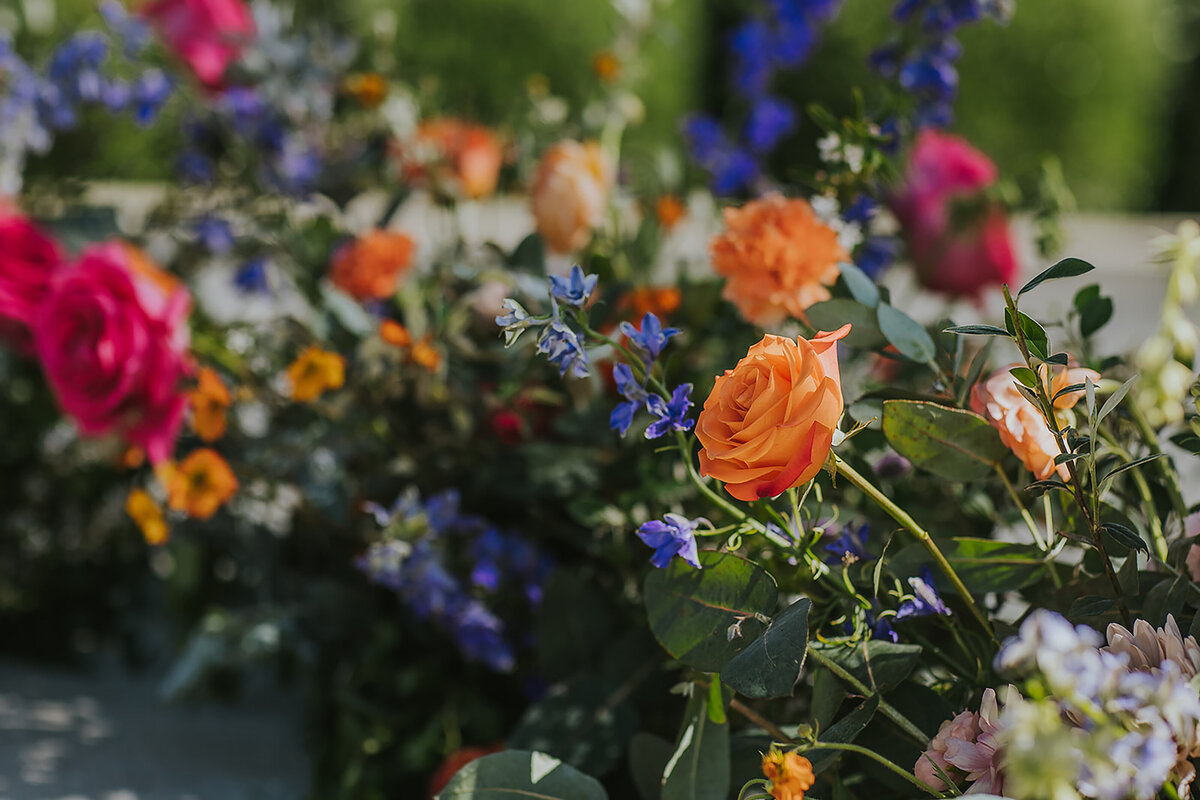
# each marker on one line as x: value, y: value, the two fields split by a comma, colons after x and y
x: 1020, y: 424
x: 570, y: 194
x: 209, y: 400
x: 768, y: 423
x: 199, y: 484
x: 370, y: 267
x: 790, y: 774
x: 778, y: 258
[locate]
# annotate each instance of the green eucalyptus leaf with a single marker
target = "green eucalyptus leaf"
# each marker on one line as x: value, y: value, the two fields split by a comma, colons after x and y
x: 648, y: 757
x: 1125, y: 535
x: 1026, y: 376
x: 830, y: 315
x: 953, y: 444
x: 877, y: 663
x: 698, y: 768
x: 1067, y: 268
x: 1114, y: 400
x: 521, y: 773
x: 905, y: 334
x: 977, y: 330
x: 862, y: 288
x: 771, y: 665
x: 692, y: 611
x: 844, y: 731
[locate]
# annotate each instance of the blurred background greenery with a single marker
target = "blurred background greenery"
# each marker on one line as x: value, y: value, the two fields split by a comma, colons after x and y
x: 1111, y: 87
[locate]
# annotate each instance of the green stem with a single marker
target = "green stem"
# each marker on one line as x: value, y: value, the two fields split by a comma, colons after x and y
x: 1025, y: 515
x: 1170, y: 479
x: 862, y: 751
x: 888, y: 710
x: 901, y: 516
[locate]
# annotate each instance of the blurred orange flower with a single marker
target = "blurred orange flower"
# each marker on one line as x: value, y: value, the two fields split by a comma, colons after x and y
x: 657, y: 300
x: 778, y: 258
x: 209, y: 400
x: 570, y: 194
x: 790, y: 774
x: 394, y: 333
x: 199, y: 484
x: 606, y: 66
x: 461, y: 159
x: 426, y: 355
x: 669, y: 210
x: 370, y: 267
x: 368, y: 88
x: 140, y: 506
x: 314, y: 372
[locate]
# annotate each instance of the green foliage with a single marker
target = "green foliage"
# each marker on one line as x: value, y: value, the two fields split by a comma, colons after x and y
x: 521, y: 772
x: 954, y: 444
x: 699, y: 765
x: 771, y: 665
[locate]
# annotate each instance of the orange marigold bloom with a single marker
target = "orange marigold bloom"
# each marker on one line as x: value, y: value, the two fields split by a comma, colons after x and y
x: 790, y: 774
x: 606, y: 66
x: 140, y: 506
x: 370, y: 267
x: 778, y: 258
x: 314, y: 372
x: 394, y: 333
x: 669, y: 210
x: 209, y: 400
x: 570, y: 194
x: 199, y: 484
x: 426, y: 355
x: 368, y: 88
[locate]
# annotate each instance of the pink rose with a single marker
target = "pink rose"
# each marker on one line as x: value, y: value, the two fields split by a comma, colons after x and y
x: 207, y: 34
x: 113, y: 338
x: 958, y: 254
x: 29, y: 260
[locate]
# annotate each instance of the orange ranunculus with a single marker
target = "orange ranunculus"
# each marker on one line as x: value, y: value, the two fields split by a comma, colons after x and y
x: 370, y: 267
x: 209, y: 400
x: 426, y: 355
x: 669, y: 210
x: 778, y: 258
x: 1020, y: 424
x: 368, y: 88
x: 570, y: 194
x: 458, y: 158
x: 768, y: 423
x: 790, y: 774
x: 140, y: 506
x: 199, y: 484
x: 394, y: 333
x: 314, y: 372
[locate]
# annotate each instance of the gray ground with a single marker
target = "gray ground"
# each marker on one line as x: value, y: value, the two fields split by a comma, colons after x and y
x: 86, y: 736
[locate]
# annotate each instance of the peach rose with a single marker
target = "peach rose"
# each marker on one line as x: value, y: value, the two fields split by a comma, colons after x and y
x: 778, y: 258
x: 768, y: 423
x: 370, y: 267
x: 1021, y: 425
x: 570, y: 194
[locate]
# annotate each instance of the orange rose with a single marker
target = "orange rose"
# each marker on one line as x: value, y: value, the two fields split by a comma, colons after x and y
x: 768, y: 423
x: 570, y: 194
x: 1021, y: 425
x: 778, y: 258
x: 370, y: 267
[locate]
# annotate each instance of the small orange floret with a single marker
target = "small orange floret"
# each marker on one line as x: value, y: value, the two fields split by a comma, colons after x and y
x: 657, y: 300
x: 199, y: 484
x: 426, y: 355
x: 368, y: 88
x: 140, y: 506
x: 370, y: 267
x: 606, y: 66
x: 669, y: 210
x: 394, y: 333
x: 314, y: 372
x: 790, y: 774
x: 209, y: 400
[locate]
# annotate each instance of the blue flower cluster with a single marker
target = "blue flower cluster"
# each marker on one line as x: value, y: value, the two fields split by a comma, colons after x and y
x: 674, y: 535
x: 781, y: 37
x: 877, y: 251
x: 557, y: 339
x: 923, y: 64
x: 35, y: 105
x: 669, y: 415
x: 412, y: 560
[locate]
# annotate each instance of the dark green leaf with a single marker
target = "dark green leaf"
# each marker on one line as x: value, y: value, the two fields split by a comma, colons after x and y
x: 1126, y: 536
x: 1090, y: 605
x: 953, y: 444
x: 976, y: 370
x: 1187, y: 440
x: 1026, y: 376
x: 1039, y: 488
x: 1035, y: 336
x: 862, y: 288
x: 905, y: 334
x: 1107, y: 480
x: 1115, y: 399
x: 843, y: 732
x: 699, y: 765
x: 985, y: 565
x: 833, y: 314
x: 771, y: 665
x: 1062, y: 359
x: 1063, y: 458
x: 691, y: 610
x: 1127, y: 576
x: 529, y: 255
x: 648, y: 757
x: 1067, y: 268
x: 977, y: 330
x: 1095, y: 315
x: 877, y: 663
x: 827, y: 697
x: 1074, y: 387
x: 584, y: 723
x: 520, y: 773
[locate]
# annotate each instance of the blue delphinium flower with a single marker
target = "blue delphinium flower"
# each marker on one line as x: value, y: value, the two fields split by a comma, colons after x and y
x: 673, y: 535
x: 150, y: 93
x: 670, y: 415
x: 770, y: 121
x: 651, y: 338
x: 252, y: 277
x: 480, y: 635
x: 562, y: 346
x: 215, y: 234
x: 850, y: 546
x: 635, y: 399
x: 574, y: 289
x: 926, y: 600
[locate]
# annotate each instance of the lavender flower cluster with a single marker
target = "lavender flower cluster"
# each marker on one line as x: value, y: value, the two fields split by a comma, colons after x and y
x: 1091, y: 726
x: 36, y: 104
x: 412, y: 559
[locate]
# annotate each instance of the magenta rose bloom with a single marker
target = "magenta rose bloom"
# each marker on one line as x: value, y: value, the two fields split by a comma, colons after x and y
x: 29, y: 260
x: 959, y: 254
x: 113, y: 339
x: 207, y: 34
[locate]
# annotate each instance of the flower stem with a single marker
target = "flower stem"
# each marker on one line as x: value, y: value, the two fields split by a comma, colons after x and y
x: 1170, y: 479
x: 1016, y: 498
x: 862, y: 751
x: 888, y: 710
x: 901, y: 516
